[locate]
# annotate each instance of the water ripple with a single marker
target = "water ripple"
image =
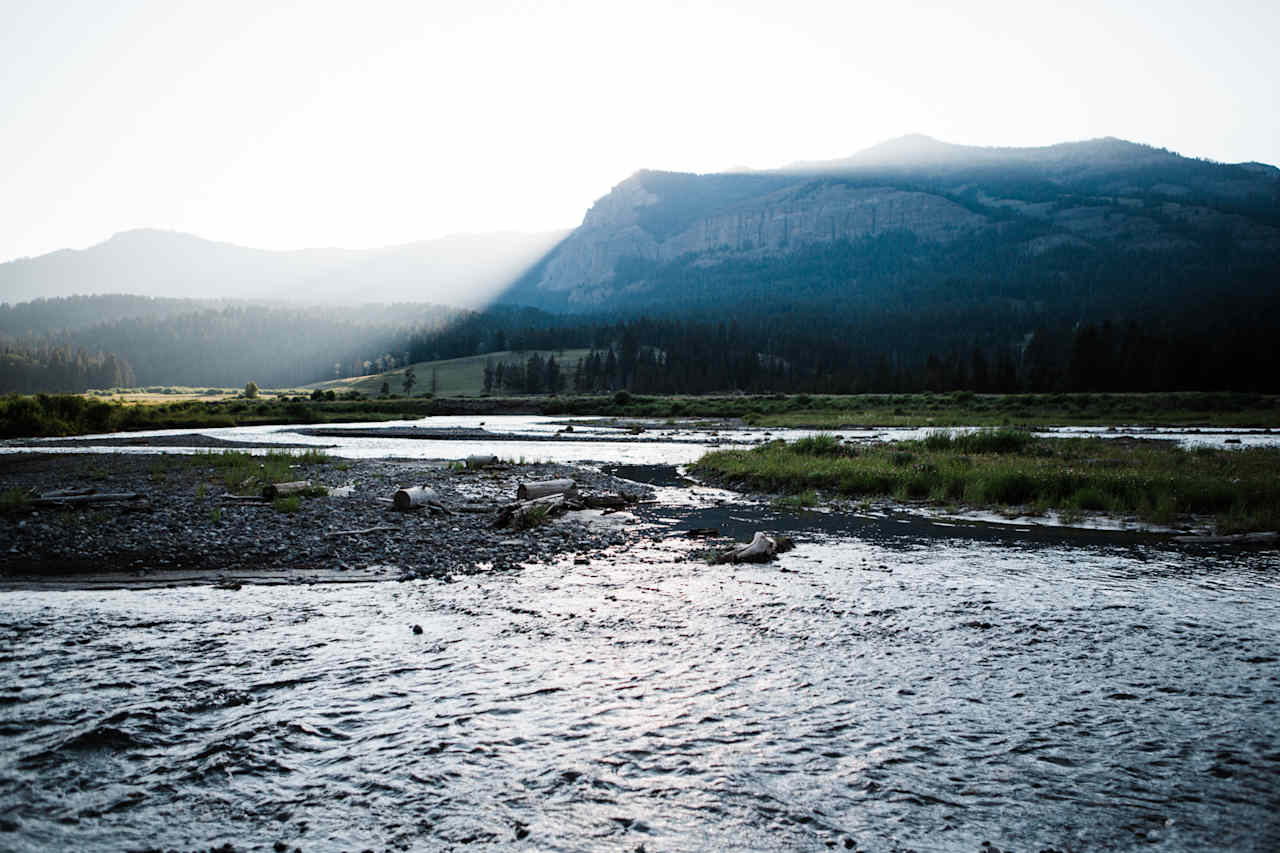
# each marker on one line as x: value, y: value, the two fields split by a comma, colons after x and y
x: 1037, y: 697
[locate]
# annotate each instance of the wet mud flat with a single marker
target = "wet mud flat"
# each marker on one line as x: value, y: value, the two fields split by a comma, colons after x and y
x: 182, y: 530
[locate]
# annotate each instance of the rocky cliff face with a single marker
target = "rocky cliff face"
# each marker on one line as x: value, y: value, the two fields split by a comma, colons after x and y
x: 584, y: 266
x: 1082, y: 196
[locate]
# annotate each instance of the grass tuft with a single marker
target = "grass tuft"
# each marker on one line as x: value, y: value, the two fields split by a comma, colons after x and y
x: 1004, y: 469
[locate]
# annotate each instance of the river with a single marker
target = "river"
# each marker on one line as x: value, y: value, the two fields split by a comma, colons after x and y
x: 892, y: 683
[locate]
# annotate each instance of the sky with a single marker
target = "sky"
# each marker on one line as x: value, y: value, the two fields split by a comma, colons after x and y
x: 286, y: 125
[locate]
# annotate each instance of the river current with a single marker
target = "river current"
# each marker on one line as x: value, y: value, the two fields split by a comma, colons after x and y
x: 889, y: 684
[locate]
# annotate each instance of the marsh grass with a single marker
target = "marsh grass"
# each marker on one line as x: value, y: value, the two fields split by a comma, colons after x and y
x: 1156, y: 481
x: 14, y: 500
x: 246, y: 474
x: 288, y: 505
x: 75, y: 414
x: 803, y: 500
x: 535, y: 517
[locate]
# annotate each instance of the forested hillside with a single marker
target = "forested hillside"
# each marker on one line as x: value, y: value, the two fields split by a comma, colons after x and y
x: 1098, y: 265
x: 172, y: 342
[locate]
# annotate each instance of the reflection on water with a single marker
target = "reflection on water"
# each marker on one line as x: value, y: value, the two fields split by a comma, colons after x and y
x: 886, y: 690
x: 672, y: 442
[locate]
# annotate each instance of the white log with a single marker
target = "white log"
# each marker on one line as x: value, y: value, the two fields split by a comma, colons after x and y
x: 414, y: 497
x: 542, y: 488
x: 481, y: 460
x: 760, y: 549
x: 272, y: 491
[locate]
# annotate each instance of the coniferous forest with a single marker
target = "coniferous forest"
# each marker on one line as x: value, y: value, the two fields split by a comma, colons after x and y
x: 999, y: 348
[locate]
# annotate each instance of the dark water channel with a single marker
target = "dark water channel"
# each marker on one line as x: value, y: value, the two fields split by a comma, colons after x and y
x: 900, y: 685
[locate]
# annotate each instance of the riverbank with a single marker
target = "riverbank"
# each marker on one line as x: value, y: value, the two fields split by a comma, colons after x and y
x: 1013, y: 472
x: 182, y: 529
x: 66, y: 415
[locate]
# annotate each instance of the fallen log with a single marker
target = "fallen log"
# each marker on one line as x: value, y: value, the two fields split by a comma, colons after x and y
x: 608, y: 501
x: 415, y: 497
x: 761, y: 549
x: 65, y: 493
x: 543, y: 488
x: 271, y: 491
x: 72, y: 500
x: 525, y: 514
x: 376, y: 529
x: 481, y: 460
x: 257, y: 499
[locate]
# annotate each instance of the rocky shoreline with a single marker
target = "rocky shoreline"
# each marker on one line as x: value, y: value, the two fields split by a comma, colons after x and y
x: 183, y: 530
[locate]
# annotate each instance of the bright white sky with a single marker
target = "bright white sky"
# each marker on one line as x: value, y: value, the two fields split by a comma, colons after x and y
x: 366, y: 123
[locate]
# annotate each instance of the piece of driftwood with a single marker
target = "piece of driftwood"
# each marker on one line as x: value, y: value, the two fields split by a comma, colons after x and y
x: 271, y: 491
x: 524, y: 514
x: 415, y: 497
x: 256, y: 499
x: 376, y: 529
x: 542, y: 488
x: 702, y: 532
x: 74, y: 500
x: 65, y: 493
x: 608, y: 501
x: 761, y: 549
x: 481, y: 460
x: 1235, y: 538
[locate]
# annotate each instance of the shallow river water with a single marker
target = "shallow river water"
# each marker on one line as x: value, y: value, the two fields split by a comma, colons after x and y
x: 889, y: 684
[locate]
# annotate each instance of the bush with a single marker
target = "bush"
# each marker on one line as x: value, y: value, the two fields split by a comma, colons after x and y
x: 622, y: 398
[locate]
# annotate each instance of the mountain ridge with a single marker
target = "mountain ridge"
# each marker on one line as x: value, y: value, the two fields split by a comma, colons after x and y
x: 1099, y: 196
x: 466, y: 269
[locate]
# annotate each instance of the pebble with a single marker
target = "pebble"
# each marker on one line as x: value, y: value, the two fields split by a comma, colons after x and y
x: 241, y: 539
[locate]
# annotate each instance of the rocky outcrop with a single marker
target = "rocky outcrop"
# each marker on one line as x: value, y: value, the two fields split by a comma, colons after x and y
x: 584, y: 266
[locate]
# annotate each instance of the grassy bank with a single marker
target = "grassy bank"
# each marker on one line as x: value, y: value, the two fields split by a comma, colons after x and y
x: 72, y: 414
x: 997, y: 469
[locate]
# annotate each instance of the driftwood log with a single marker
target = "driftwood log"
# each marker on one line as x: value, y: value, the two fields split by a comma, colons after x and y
x: 608, y: 501
x: 381, y: 528
x: 415, y: 497
x: 65, y: 493
x: 761, y: 549
x: 525, y: 514
x: 271, y: 491
x: 481, y: 460
x: 55, y: 499
x: 543, y: 488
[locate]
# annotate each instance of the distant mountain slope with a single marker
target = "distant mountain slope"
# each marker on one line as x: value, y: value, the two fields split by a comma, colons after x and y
x: 465, y: 270
x: 915, y: 212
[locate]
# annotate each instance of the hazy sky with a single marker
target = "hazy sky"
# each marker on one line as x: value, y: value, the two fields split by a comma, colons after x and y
x: 358, y: 124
